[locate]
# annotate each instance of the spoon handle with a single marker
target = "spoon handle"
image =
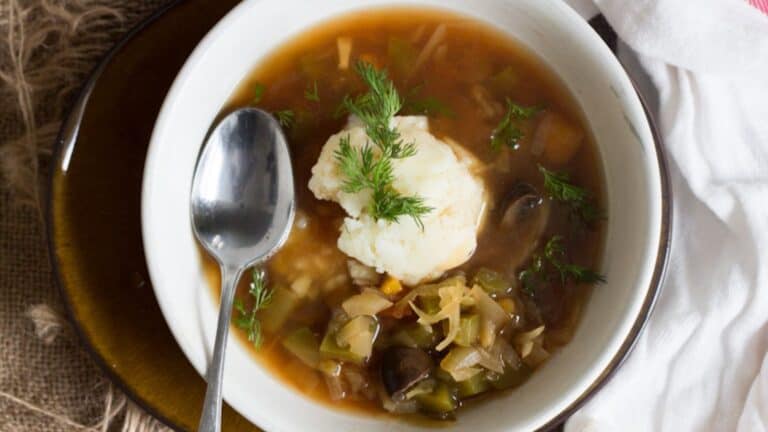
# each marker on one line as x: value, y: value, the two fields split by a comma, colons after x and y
x: 210, y: 420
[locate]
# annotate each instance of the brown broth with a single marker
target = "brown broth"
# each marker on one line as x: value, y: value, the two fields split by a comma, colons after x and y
x: 474, y: 52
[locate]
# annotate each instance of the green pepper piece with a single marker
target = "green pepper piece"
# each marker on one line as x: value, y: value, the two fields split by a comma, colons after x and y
x: 473, y: 386
x: 442, y: 400
x: 284, y: 302
x: 492, y: 282
x: 304, y: 345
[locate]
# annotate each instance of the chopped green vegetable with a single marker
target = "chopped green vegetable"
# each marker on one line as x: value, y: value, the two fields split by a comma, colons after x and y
x: 282, y: 305
x: 512, y: 377
x: 330, y: 349
x: 441, y: 401
x: 560, y: 188
x: 286, y: 118
x: 430, y: 304
x: 311, y: 93
x: 304, y: 345
x: 262, y: 297
x: 258, y: 92
x: 415, y: 335
x: 473, y: 386
x: 363, y: 169
x: 508, y: 132
x: 492, y: 282
x: 469, y: 330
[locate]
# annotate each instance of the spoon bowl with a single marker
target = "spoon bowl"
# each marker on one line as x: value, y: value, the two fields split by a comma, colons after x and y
x: 242, y: 207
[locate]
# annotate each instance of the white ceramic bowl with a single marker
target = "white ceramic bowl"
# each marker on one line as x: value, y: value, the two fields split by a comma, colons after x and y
x: 636, y: 239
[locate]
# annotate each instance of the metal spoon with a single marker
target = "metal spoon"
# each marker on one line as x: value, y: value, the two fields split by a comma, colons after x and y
x: 242, y: 208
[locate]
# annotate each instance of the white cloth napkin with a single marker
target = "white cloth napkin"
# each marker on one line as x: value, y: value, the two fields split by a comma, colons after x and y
x: 701, y: 363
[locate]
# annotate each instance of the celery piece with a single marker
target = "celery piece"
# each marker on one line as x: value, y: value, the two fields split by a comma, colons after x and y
x: 304, y: 345
x: 442, y: 400
x: 284, y: 302
x: 473, y: 386
x: 469, y: 330
x: 492, y: 282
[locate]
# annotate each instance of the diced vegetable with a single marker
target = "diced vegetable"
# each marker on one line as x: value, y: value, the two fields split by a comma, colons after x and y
x: 361, y: 274
x: 423, y: 387
x: 415, y: 336
x: 461, y: 363
x: 357, y: 337
x: 473, y: 386
x: 304, y: 345
x: 429, y: 48
x: 302, y: 287
x: 469, y: 330
x: 369, y: 302
x: 492, y: 282
x: 330, y: 349
x: 524, y: 341
x: 510, y: 378
x: 508, y: 305
x: 442, y: 400
x: 557, y: 138
x: 492, y: 316
x: 453, y: 295
x: 284, y: 302
x: 430, y: 304
x: 344, y: 47
x: 391, y: 286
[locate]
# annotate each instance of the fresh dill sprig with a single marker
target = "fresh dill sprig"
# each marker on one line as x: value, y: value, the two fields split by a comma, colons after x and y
x: 508, y: 132
x: 262, y: 297
x: 560, y: 188
x: 258, y: 92
x: 311, y: 93
x: 370, y: 167
x: 554, y: 261
x: 286, y: 118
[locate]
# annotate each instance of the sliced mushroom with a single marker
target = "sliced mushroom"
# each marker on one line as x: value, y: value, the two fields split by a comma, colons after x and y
x: 402, y: 368
x: 525, y: 220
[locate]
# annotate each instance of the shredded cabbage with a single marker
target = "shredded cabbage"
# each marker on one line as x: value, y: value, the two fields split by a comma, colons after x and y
x: 369, y: 302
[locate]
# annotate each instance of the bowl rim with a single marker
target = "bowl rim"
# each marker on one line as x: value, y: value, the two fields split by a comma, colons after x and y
x: 652, y: 293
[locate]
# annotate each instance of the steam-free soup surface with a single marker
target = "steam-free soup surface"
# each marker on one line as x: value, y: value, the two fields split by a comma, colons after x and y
x: 537, y: 250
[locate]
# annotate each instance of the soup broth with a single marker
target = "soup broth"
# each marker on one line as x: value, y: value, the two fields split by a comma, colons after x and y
x: 460, y: 74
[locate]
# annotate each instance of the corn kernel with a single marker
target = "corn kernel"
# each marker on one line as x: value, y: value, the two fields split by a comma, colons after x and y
x: 391, y: 286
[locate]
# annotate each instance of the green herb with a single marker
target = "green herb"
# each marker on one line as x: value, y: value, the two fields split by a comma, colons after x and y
x: 560, y: 188
x: 258, y: 92
x: 428, y: 106
x: 311, y: 93
x: 370, y: 167
x: 286, y: 118
x: 508, y: 132
x: 262, y: 297
x: 554, y: 261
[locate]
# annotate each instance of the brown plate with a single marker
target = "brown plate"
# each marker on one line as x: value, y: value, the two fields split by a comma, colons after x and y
x: 94, y: 229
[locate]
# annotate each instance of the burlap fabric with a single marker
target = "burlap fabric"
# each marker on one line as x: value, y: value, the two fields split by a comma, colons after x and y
x: 47, y: 383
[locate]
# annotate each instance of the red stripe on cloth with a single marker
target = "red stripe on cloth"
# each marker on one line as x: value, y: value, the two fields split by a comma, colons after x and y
x: 760, y: 4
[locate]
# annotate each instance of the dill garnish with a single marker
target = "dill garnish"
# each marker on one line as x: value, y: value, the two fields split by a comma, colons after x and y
x: 554, y: 262
x: 311, y: 93
x: 370, y: 167
x: 286, y: 118
x: 508, y: 132
x: 559, y: 187
x: 262, y: 297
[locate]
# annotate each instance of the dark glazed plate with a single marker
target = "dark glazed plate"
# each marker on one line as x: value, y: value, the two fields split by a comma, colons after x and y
x: 94, y: 219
